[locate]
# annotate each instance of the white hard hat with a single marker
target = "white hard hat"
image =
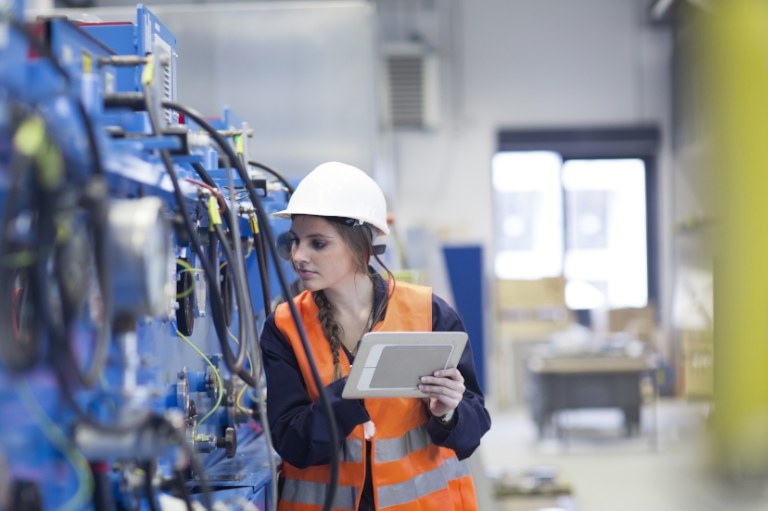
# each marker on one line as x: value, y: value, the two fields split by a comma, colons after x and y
x: 339, y: 190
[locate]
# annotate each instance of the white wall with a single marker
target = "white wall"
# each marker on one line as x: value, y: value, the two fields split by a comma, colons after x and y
x: 530, y: 64
x: 302, y: 74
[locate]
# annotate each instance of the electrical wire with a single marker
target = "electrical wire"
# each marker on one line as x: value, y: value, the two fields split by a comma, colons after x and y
x: 22, y: 355
x: 204, y: 175
x: 87, y: 377
x: 178, y: 479
x: 238, y: 400
x: 260, y: 401
x: 272, y: 171
x: 247, y: 311
x: 149, y: 487
x: 160, y: 425
x: 45, y: 51
x: 242, y: 293
x: 260, y: 243
x: 262, y: 265
x: 219, y: 383
x: 186, y: 268
x: 147, y: 421
x: 261, y: 405
x: 56, y: 436
x: 214, y: 191
x: 260, y: 254
x: 96, y: 203
x: 262, y: 217
x: 234, y: 363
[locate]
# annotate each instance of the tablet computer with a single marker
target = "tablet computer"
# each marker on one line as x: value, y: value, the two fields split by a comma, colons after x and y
x: 391, y: 364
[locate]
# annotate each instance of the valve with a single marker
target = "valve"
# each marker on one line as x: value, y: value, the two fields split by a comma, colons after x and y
x: 208, y: 442
x: 228, y: 442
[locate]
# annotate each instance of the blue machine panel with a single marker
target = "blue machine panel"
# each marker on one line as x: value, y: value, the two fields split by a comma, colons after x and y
x: 129, y: 363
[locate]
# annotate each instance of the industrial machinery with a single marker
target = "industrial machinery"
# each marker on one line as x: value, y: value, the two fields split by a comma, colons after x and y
x: 137, y: 265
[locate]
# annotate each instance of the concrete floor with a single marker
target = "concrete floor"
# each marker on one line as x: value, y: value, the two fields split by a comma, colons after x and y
x: 664, y: 468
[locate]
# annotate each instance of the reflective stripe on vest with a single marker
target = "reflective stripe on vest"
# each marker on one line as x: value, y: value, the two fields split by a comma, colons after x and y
x: 352, y: 450
x: 391, y: 449
x: 313, y: 494
x: 423, y: 484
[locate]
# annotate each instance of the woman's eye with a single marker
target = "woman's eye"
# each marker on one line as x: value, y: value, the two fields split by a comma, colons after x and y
x: 316, y: 244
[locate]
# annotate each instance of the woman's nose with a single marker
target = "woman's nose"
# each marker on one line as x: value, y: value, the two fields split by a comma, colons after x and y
x: 298, y: 253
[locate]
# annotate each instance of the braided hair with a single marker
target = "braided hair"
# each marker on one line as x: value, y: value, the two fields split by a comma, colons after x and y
x: 359, y: 239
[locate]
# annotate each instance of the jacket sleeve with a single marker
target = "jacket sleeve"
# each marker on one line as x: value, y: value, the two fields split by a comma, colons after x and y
x: 299, y: 427
x: 472, y: 420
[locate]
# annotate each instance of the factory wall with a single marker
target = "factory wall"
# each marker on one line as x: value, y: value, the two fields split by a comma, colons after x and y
x: 533, y: 64
x: 301, y: 74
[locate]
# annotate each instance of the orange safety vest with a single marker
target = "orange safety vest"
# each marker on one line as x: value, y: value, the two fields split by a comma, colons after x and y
x: 408, y: 471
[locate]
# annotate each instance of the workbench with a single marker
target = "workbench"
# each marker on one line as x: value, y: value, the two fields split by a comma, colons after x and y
x: 559, y: 383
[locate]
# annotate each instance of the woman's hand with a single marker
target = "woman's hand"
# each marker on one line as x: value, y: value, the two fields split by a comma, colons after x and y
x: 445, y: 389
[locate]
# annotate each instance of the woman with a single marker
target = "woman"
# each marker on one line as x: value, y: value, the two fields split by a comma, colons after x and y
x: 397, y: 453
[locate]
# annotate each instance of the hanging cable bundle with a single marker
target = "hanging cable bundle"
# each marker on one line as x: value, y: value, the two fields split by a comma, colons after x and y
x: 264, y: 222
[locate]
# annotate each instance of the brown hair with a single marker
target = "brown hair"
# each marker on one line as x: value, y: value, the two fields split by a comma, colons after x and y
x: 359, y: 240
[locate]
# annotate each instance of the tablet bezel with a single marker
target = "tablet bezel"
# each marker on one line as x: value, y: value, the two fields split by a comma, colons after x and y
x: 373, y: 341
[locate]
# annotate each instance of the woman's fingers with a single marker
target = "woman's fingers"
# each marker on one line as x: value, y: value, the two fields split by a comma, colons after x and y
x: 445, y: 390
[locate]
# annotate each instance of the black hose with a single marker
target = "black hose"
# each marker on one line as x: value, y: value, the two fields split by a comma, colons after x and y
x: 246, y: 313
x: 235, y: 363
x: 241, y: 293
x: 16, y: 354
x: 229, y: 217
x: 178, y: 479
x: 98, y: 219
x: 272, y: 171
x: 261, y: 258
x: 149, y: 488
x: 262, y: 217
x: 197, y: 468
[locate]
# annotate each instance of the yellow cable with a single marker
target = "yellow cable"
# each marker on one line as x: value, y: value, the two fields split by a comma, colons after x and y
x: 32, y: 141
x: 30, y: 137
x: 59, y: 440
x: 239, y: 145
x: 213, y: 212
x: 254, y: 223
x: 218, y: 380
x: 238, y: 401
x: 18, y: 259
x: 187, y: 268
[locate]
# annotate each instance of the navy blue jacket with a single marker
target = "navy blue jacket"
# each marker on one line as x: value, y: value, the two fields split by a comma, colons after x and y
x: 299, y: 427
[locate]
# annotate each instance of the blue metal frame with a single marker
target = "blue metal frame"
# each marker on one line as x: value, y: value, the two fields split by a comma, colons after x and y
x: 44, y: 451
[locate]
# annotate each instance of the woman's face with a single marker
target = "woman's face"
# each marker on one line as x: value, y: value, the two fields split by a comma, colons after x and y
x: 320, y: 256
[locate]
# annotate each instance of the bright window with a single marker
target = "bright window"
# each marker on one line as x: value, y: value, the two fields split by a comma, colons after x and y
x: 583, y: 219
x: 529, y: 219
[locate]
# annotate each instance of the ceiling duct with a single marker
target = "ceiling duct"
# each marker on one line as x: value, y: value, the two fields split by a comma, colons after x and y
x: 412, y: 85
